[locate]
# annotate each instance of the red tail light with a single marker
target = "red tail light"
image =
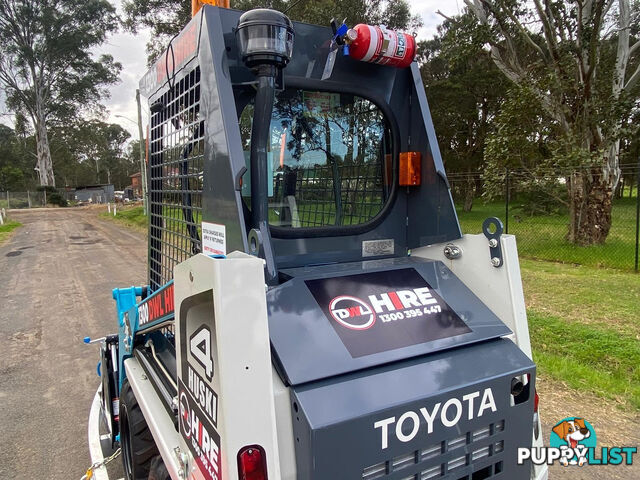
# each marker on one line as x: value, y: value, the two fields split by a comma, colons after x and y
x: 252, y: 463
x: 536, y: 400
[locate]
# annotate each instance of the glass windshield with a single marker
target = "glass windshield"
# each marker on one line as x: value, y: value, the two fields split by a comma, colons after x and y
x: 329, y: 159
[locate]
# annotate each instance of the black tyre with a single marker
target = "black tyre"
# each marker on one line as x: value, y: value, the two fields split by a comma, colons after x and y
x: 136, y: 441
x: 158, y: 470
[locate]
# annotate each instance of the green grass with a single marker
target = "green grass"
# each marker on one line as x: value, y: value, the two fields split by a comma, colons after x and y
x: 543, y: 237
x: 588, y: 358
x: 130, y: 216
x: 585, y: 328
x: 583, y: 294
x: 6, y: 229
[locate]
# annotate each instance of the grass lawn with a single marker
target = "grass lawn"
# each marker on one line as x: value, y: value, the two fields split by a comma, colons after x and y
x: 542, y: 237
x: 6, y: 229
x: 130, y: 216
x: 585, y: 328
x: 584, y: 319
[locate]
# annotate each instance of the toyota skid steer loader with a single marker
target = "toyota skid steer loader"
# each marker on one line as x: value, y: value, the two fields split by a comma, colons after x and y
x: 313, y: 311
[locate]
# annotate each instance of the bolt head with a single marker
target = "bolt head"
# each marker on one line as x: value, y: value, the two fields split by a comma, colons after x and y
x: 452, y: 251
x: 495, y: 261
x: 493, y: 243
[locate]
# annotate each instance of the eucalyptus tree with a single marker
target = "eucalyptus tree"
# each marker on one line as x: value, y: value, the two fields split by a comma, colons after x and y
x: 47, y: 67
x: 578, y: 61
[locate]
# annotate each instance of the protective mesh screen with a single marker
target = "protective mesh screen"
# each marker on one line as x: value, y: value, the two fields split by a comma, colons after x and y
x: 176, y: 165
x: 307, y: 196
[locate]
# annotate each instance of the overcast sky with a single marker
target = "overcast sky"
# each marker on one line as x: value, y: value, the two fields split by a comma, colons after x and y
x: 129, y: 50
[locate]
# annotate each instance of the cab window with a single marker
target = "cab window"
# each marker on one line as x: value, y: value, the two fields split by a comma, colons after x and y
x: 329, y: 159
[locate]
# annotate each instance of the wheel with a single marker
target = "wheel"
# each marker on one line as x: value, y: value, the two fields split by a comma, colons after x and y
x: 158, y: 470
x: 136, y: 441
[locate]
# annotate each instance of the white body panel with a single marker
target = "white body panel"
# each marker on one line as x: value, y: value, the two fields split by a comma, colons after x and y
x: 242, y: 374
x: 159, y: 422
x: 254, y: 405
x: 500, y: 288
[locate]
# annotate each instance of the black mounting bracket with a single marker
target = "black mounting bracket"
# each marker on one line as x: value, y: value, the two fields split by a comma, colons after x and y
x: 495, y: 249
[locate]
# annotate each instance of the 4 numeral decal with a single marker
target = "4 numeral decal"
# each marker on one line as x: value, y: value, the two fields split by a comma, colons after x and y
x: 200, y: 348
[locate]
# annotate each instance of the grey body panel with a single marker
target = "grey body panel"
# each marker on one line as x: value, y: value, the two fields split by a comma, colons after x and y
x: 334, y: 423
x: 307, y: 348
x: 224, y: 163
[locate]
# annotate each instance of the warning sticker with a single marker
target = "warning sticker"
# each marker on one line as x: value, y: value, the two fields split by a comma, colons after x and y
x: 213, y: 239
x: 381, y: 311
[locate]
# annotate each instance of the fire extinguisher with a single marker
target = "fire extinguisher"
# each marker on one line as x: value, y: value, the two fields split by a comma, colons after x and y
x: 377, y: 44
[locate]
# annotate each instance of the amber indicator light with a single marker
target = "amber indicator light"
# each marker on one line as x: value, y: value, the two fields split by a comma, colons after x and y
x: 410, y: 169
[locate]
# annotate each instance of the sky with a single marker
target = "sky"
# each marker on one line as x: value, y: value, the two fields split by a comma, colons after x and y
x: 129, y: 50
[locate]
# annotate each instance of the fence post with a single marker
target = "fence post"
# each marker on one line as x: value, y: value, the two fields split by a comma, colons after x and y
x: 45, y: 197
x: 506, y: 203
x: 1, y: 215
x: 8, y: 206
x: 637, y: 215
x: 28, y: 199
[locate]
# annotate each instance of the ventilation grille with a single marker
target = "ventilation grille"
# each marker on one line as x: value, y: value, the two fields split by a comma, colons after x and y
x: 475, y: 455
x: 175, y: 179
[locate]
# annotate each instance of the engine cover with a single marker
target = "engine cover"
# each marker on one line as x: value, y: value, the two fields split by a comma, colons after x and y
x: 334, y: 319
x: 449, y: 415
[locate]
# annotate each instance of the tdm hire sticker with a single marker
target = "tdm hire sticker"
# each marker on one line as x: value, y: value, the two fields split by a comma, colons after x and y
x: 381, y: 311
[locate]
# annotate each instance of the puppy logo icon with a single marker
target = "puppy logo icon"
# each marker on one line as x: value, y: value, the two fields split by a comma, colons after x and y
x: 573, y: 442
x: 576, y: 434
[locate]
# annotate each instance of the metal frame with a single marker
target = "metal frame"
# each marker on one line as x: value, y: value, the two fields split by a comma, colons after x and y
x: 176, y: 166
x: 412, y: 218
x: 160, y: 423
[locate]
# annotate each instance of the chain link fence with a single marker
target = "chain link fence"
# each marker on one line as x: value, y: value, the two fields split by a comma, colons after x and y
x: 535, y: 208
x: 44, y: 198
x: 23, y: 199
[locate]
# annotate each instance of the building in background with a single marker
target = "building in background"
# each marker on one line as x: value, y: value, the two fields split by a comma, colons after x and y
x: 134, y: 190
x: 95, y: 193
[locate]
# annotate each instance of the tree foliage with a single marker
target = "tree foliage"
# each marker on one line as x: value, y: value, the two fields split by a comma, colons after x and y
x: 93, y: 152
x: 46, y: 67
x: 165, y: 18
x: 577, y: 62
x: 83, y: 153
x: 16, y: 169
x: 465, y: 91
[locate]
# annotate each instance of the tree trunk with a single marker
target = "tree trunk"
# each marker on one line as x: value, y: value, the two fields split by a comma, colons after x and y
x: 469, y: 193
x: 590, y: 203
x: 45, y: 164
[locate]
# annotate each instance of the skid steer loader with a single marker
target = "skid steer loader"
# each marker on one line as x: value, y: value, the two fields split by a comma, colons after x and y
x: 313, y: 311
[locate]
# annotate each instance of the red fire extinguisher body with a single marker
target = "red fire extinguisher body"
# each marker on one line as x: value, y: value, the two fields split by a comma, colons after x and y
x: 380, y: 45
